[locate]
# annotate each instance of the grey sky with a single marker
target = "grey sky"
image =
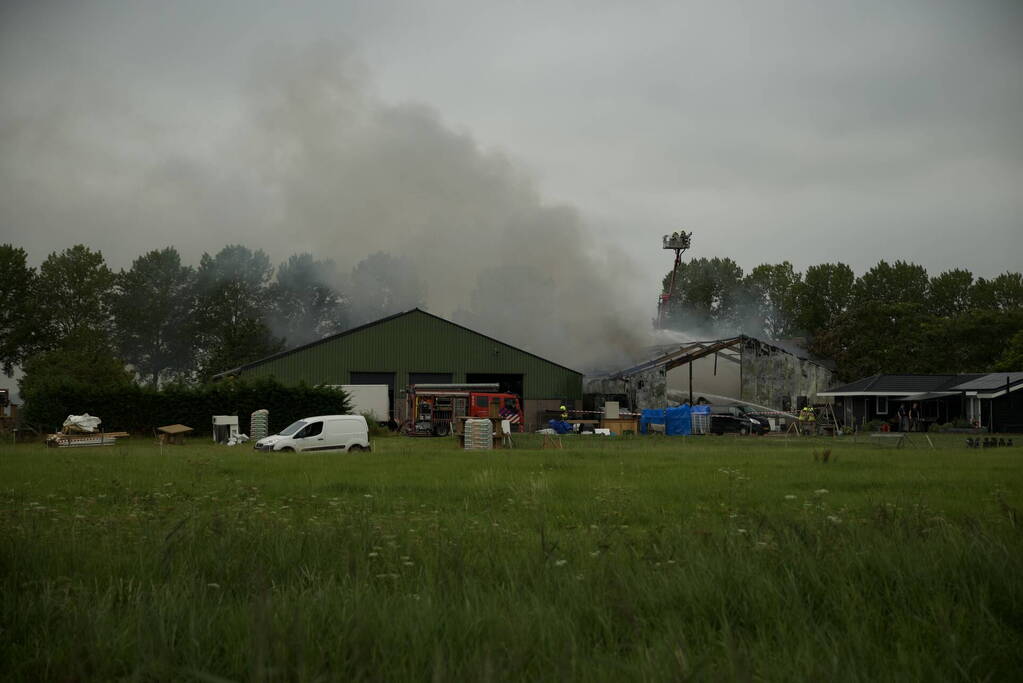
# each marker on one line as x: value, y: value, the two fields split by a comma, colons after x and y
x: 805, y: 131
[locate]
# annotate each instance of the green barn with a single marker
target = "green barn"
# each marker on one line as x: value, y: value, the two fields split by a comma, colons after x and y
x: 417, y: 347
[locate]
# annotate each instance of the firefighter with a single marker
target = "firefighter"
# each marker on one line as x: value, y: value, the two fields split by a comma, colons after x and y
x: 564, y: 413
x: 807, y: 418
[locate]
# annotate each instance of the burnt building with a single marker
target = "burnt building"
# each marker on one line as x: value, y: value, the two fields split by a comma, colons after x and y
x: 778, y: 374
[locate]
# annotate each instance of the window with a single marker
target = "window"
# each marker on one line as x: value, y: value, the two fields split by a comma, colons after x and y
x: 881, y: 407
x: 292, y: 428
x: 509, y: 404
x: 311, y: 429
x: 482, y: 401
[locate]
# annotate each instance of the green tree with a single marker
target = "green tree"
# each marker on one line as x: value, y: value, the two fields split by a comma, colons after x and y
x: 877, y: 337
x: 1011, y: 359
x: 82, y: 360
x: 975, y: 341
x: 706, y: 296
x: 151, y: 307
x: 950, y: 292
x: 73, y: 292
x: 305, y: 302
x: 230, y: 301
x: 825, y: 292
x: 768, y: 302
x: 1003, y: 293
x: 900, y: 282
x: 17, y: 281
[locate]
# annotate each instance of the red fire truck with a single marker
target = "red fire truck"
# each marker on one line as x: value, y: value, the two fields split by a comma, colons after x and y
x: 432, y: 408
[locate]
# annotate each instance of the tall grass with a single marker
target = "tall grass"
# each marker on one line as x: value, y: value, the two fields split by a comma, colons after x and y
x: 641, y: 559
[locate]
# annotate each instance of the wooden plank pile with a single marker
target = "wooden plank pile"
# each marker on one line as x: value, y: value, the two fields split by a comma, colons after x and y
x: 82, y: 430
x: 62, y: 440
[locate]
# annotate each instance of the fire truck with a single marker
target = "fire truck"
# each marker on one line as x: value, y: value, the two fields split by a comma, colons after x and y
x: 432, y: 409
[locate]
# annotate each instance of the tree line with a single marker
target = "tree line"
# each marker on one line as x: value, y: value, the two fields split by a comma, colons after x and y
x: 163, y: 321
x: 894, y: 318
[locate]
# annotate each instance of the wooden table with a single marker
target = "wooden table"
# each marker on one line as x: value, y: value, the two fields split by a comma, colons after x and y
x: 620, y: 425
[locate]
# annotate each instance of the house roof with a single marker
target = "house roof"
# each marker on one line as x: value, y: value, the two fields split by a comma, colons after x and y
x: 354, y: 330
x: 992, y: 384
x: 897, y: 385
x: 921, y: 387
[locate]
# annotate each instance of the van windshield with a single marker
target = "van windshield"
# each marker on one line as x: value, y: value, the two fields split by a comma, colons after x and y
x: 293, y: 427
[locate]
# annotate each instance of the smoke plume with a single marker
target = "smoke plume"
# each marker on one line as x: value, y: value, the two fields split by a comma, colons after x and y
x: 355, y: 176
x: 318, y: 163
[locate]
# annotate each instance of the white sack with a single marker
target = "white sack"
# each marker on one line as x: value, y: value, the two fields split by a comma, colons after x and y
x: 85, y: 422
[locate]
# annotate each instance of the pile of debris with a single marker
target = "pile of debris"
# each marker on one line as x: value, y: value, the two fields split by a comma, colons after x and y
x: 82, y: 430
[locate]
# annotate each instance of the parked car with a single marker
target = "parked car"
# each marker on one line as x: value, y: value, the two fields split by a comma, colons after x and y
x: 348, y: 433
x: 736, y: 418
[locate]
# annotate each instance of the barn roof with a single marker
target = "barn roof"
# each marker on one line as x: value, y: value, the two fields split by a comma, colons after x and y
x: 360, y: 328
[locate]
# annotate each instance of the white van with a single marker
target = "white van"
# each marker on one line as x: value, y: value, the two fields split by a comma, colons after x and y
x: 323, y: 433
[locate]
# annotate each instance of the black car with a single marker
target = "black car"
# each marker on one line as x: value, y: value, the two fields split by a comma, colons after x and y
x: 736, y: 418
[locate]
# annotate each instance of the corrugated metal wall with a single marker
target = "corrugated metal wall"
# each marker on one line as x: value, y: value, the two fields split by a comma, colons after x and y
x: 418, y: 342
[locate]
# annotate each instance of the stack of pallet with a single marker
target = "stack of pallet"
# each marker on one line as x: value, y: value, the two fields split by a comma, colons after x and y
x: 479, y: 435
x: 259, y: 425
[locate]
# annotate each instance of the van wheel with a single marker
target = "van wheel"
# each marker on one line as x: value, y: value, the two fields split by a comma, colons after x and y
x: 743, y: 431
x: 287, y: 449
x: 442, y: 429
x: 355, y: 448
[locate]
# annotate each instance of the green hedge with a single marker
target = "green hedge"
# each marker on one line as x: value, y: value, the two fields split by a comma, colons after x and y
x: 141, y: 409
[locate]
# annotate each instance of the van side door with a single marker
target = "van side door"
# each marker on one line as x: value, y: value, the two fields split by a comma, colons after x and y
x: 310, y: 436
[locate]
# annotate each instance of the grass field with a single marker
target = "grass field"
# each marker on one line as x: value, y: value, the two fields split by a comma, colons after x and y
x: 647, y: 558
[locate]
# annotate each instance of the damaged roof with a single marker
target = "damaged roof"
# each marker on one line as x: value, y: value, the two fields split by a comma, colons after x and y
x: 674, y: 355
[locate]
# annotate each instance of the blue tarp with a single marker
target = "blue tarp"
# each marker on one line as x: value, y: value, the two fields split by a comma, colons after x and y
x: 648, y: 416
x: 560, y: 426
x: 677, y: 421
